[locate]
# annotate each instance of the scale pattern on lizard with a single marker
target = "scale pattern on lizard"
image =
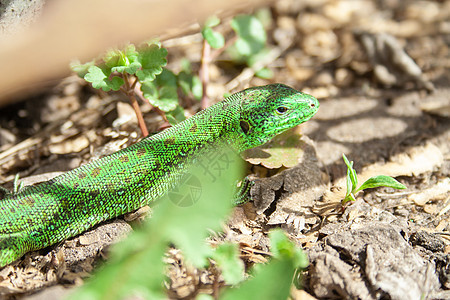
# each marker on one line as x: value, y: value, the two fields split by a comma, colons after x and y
x: 41, y: 215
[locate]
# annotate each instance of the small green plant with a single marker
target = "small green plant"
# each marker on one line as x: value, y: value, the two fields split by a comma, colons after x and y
x: 139, y: 72
x: 373, y: 182
x: 247, y: 46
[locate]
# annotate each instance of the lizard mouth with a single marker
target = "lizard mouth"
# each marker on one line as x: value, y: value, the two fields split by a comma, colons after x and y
x: 307, y: 116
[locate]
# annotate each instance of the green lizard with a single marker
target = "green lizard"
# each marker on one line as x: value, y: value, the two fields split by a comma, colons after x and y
x: 44, y: 214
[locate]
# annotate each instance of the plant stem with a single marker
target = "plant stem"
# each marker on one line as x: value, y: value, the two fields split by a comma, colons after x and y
x: 139, y: 116
x: 204, y: 73
x: 131, y: 95
x: 134, y: 83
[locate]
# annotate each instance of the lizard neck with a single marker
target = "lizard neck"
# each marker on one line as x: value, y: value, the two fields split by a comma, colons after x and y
x: 218, y: 124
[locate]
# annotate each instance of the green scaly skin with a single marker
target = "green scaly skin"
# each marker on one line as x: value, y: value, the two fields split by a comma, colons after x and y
x: 42, y: 215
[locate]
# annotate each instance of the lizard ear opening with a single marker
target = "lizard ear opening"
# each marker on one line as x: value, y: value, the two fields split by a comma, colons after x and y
x: 244, y: 126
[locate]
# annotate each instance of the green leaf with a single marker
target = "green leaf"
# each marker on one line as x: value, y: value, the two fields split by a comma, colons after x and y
x: 167, y: 95
x: 149, y: 90
x: 275, y: 277
x: 131, y: 68
x: 214, y: 39
x: 197, y: 88
x: 349, y: 165
x: 176, y: 116
x: 152, y: 59
x: 186, y: 66
x: 81, y: 69
x: 348, y: 198
x: 165, y: 98
x: 190, y: 84
x: 166, y: 78
x: 252, y: 36
x: 280, y: 245
x: 212, y: 21
x: 349, y: 184
x: 264, y: 73
x: 227, y: 258
x: 123, y: 61
x: 283, y: 248
x: 381, y: 180
x: 168, y: 98
x: 351, y: 173
x: 114, y: 58
x: 99, y: 77
x: 184, y: 82
x: 131, y: 54
x: 353, y: 177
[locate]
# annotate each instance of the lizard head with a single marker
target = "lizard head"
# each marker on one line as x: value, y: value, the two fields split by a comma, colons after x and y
x: 268, y: 110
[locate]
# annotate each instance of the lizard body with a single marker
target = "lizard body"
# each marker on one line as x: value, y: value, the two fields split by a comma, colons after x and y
x: 44, y: 214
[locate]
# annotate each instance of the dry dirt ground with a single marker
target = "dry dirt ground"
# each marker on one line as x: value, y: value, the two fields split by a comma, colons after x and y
x: 380, y: 70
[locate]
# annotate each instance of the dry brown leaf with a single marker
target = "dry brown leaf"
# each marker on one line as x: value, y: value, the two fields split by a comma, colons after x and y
x: 416, y: 161
x: 438, y: 103
x: 286, y: 149
x: 439, y: 191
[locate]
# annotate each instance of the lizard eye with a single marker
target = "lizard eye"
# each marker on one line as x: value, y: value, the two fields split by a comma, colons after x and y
x: 281, y: 110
